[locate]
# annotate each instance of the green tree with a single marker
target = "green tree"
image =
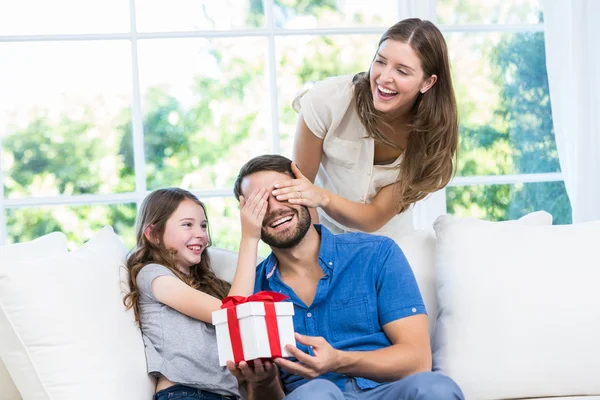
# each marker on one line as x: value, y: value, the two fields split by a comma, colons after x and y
x: 520, y: 140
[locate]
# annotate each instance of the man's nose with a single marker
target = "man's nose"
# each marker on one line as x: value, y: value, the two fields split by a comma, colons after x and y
x: 273, y: 204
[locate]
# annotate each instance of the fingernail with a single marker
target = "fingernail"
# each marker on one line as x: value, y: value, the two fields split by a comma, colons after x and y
x: 276, y: 185
x: 279, y: 197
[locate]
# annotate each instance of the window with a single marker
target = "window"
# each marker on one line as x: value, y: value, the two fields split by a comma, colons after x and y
x: 112, y: 99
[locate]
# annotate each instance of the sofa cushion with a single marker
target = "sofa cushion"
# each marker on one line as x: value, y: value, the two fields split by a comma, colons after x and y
x: 64, y: 329
x: 519, y: 309
x: 53, y: 243
x: 419, y: 249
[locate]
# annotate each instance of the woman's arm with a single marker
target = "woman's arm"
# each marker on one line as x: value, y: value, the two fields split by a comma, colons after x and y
x: 364, y: 217
x: 194, y: 303
x: 308, y: 150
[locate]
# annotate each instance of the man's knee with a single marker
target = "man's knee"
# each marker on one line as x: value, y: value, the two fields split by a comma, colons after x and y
x: 434, y: 386
x: 316, y: 389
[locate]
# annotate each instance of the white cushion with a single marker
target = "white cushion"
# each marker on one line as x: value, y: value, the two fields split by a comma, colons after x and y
x: 224, y: 262
x: 53, y: 243
x: 519, y: 309
x: 419, y: 249
x: 65, y: 332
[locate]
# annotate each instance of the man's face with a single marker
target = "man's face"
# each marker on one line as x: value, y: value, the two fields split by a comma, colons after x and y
x: 285, y: 224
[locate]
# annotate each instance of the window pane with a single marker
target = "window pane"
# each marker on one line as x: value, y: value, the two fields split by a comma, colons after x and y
x: 206, y: 109
x: 297, y: 14
x: 79, y: 223
x: 489, y: 12
x: 509, y: 202
x: 304, y: 60
x: 504, y: 104
x: 66, y: 107
x: 225, y: 228
x: 43, y: 17
x: 197, y: 15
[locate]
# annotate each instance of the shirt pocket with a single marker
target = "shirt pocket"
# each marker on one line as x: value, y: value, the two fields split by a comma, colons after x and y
x: 349, y: 318
x: 343, y: 152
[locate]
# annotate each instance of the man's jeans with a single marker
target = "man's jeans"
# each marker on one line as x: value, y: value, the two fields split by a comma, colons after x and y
x: 421, y: 386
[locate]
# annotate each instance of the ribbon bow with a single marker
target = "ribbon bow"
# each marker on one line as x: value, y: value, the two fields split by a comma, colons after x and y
x: 266, y: 297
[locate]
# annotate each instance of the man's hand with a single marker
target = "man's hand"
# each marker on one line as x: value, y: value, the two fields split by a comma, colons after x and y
x: 259, y: 374
x: 326, y: 358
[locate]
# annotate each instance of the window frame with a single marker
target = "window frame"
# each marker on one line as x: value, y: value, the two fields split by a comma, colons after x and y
x: 426, y: 211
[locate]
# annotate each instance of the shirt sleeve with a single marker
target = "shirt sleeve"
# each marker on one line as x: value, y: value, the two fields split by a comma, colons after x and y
x: 319, y: 103
x: 398, y: 294
x: 145, y: 277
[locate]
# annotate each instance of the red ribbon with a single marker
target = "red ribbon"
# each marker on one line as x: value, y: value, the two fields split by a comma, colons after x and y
x: 266, y: 297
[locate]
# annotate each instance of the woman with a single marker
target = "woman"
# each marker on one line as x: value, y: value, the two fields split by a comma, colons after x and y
x: 377, y: 142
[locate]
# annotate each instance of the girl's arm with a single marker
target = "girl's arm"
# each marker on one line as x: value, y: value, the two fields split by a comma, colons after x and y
x: 194, y: 303
x: 308, y: 150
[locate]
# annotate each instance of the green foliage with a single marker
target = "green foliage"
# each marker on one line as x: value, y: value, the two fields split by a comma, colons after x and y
x: 48, y: 158
x: 521, y: 140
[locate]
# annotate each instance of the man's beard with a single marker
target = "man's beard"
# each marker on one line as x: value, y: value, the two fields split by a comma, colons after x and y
x: 288, y: 239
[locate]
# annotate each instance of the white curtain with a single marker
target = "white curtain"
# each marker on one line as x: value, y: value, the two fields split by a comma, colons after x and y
x: 572, y: 35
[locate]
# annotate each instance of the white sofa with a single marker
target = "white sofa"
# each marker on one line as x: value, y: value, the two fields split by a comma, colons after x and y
x: 519, y: 312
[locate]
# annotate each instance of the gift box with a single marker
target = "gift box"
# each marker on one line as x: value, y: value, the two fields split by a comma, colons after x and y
x: 258, y: 326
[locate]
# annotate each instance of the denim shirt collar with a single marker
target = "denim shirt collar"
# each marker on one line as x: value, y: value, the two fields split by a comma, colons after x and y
x: 326, y: 253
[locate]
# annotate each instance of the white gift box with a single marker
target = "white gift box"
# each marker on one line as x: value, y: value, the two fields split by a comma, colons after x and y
x: 253, y: 329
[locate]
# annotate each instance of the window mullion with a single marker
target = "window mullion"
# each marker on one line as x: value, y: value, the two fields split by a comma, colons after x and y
x: 272, y: 71
x: 137, y: 125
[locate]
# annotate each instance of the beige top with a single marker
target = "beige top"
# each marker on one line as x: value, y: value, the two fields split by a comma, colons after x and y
x: 347, y: 167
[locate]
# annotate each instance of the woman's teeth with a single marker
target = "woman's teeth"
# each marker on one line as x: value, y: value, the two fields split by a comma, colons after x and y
x: 385, y: 91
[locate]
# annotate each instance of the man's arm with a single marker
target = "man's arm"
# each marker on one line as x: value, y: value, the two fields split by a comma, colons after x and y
x: 262, y: 381
x: 409, y: 353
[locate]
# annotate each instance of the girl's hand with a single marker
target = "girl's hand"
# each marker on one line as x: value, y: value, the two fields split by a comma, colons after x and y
x: 252, y: 213
x: 301, y: 191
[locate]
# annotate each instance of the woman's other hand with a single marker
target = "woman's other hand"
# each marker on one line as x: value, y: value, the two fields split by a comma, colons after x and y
x: 300, y: 191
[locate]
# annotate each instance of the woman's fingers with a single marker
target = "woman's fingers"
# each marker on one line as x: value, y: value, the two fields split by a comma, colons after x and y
x: 288, y: 183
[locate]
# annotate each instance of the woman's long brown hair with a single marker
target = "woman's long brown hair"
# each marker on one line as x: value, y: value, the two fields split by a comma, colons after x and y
x: 156, y: 209
x: 428, y: 163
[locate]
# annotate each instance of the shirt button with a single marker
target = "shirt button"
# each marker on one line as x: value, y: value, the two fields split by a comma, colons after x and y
x: 369, y: 172
x: 308, y: 315
x: 330, y: 263
x: 414, y: 310
x: 362, y: 198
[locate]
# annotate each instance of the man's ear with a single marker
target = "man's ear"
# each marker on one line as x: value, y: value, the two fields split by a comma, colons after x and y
x: 149, y: 234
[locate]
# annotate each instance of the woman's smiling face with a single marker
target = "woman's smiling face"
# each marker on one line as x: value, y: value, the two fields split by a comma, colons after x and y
x: 396, y: 78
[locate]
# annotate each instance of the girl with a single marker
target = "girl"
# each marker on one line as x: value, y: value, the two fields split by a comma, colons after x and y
x: 377, y: 142
x: 174, y: 291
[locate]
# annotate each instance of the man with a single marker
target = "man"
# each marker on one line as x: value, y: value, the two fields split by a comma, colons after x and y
x: 359, y: 316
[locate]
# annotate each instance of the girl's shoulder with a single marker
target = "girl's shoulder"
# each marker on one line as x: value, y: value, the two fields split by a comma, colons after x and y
x: 151, y: 271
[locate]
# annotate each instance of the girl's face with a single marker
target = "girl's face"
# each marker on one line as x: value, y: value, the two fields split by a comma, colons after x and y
x: 396, y: 78
x: 186, y: 232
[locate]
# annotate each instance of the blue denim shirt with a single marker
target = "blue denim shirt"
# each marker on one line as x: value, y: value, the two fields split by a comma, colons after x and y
x: 367, y: 284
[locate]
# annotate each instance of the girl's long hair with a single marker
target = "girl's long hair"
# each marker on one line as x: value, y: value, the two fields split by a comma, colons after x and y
x: 428, y: 163
x: 156, y: 209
